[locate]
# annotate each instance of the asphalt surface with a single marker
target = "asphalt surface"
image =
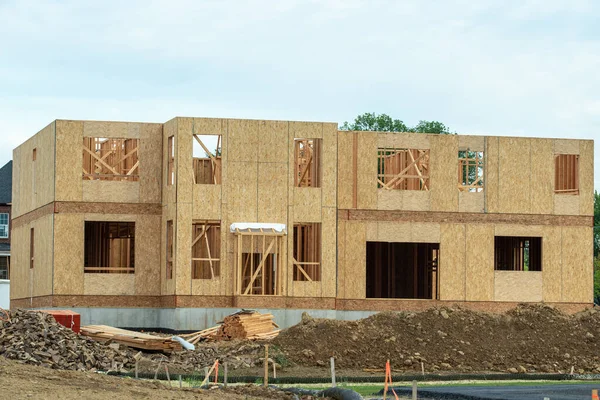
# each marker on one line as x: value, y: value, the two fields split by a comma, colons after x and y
x: 525, y: 392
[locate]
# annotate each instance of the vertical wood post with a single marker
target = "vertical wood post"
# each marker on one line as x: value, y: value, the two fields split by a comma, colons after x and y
x: 332, y: 362
x: 266, y: 380
x: 414, y: 390
x: 180, y: 382
x: 225, y: 374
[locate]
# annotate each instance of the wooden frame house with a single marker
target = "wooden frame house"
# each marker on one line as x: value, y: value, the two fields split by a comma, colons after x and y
x: 218, y: 214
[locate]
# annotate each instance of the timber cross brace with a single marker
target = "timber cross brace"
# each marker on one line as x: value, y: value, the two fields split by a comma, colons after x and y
x: 208, y: 170
x: 110, y: 159
x: 405, y: 169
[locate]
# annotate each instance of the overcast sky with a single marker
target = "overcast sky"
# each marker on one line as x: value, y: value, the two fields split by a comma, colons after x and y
x: 519, y: 68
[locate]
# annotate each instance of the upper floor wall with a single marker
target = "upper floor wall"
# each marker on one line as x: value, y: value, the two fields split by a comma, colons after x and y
x: 418, y: 172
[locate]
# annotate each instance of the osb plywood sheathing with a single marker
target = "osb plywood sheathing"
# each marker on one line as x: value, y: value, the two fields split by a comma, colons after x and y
x: 110, y: 159
x: 259, y: 257
x: 404, y: 169
x: 208, y: 170
x: 307, y: 162
x: 206, y: 249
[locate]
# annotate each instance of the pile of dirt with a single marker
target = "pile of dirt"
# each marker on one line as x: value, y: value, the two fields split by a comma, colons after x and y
x: 36, y: 338
x: 529, y: 338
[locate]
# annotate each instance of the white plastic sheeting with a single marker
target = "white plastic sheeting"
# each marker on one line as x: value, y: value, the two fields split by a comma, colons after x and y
x: 257, y: 226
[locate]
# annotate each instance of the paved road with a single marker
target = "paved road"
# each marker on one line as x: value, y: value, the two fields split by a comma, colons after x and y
x: 528, y: 392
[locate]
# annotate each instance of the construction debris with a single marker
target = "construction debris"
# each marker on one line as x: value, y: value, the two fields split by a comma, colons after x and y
x: 245, y: 324
x: 143, y: 341
x: 36, y: 338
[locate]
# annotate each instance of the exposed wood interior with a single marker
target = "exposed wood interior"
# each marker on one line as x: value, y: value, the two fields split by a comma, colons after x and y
x: 307, y: 162
x: 206, y: 249
x: 34, y: 154
x: 259, y: 263
x: 207, y: 169
x: 566, y: 174
x: 109, y: 247
x: 517, y: 253
x: 470, y: 171
x: 171, y: 160
x: 307, y: 252
x: 402, y: 270
x: 402, y: 169
x: 110, y: 159
x: 170, y: 249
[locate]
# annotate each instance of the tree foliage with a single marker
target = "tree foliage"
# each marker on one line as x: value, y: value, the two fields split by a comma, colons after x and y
x: 596, y: 224
x: 385, y: 123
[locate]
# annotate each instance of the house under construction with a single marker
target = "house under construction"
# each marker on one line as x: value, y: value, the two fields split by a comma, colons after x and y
x: 175, y: 225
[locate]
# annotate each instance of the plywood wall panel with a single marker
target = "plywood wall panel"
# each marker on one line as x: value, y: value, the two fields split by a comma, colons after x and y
x: 566, y: 146
x: 44, y: 166
x: 471, y: 202
x: 479, y: 272
x: 328, y: 252
x: 109, y: 284
x: 111, y: 129
x: 242, y: 200
x: 490, y: 175
x: 443, y: 163
x: 394, y: 232
x: 328, y: 165
x: 452, y: 262
x: 355, y: 260
x: 542, y: 176
x: 367, y: 170
x: 404, y: 140
x: 586, y: 177
x: 19, y: 258
x: 242, y: 136
x: 206, y: 202
x: 372, y: 232
x: 390, y: 199
x: 42, y: 272
x: 147, y: 254
x: 552, y: 264
x: 111, y: 191
x: 69, y: 160
x: 472, y: 143
x: 415, y: 200
x: 344, y: 169
x: 514, y: 175
x: 68, y: 253
x: 183, y: 247
x: 518, y: 286
x: 307, y: 204
x: 565, y: 204
x: 273, y: 192
x: 209, y: 126
x: 425, y: 232
x: 273, y: 143
x: 518, y: 230
x: 306, y: 129
x: 150, y: 156
x: 185, y: 175
x: 577, y: 264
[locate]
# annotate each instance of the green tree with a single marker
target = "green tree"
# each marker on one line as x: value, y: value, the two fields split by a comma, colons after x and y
x: 375, y: 122
x: 385, y: 123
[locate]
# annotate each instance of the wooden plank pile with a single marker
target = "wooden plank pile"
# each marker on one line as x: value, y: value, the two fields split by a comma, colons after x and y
x: 138, y: 340
x: 245, y: 324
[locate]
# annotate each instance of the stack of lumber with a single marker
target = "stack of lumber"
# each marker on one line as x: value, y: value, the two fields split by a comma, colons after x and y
x: 143, y: 341
x: 245, y: 324
x: 248, y: 325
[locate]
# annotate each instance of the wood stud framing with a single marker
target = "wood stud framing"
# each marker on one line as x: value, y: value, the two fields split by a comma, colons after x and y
x: 170, y: 250
x: 206, y: 249
x: 307, y: 252
x: 110, y: 159
x: 208, y: 170
x: 171, y: 160
x: 307, y: 162
x: 109, y: 247
x: 259, y: 262
x: 566, y: 174
x: 403, y: 169
x: 470, y: 171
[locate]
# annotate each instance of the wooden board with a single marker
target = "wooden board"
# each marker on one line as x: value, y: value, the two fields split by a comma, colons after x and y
x: 344, y: 169
x: 273, y: 141
x: 273, y: 192
x: 471, y: 202
x: 328, y: 252
x: 586, y: 177
x: 542, y: 172
x: 452, y: 262
x: 444, y: 167
x: 518, y: 286
x: 552, y: 263
x: 329, y: 165
x: 242, y: 136
x: 491, y: 170
x: 68, y: 253
x: 242, y: 196
x: 367, y: 170
x: 514, y: 175
x: 148, y: 250
x: 68, y: 180
x: 307, y: 204
x: 577, y: 264
x: 151, y: 137
x: 111, y: 191
x: 479, y: 255
x: 109, y: 284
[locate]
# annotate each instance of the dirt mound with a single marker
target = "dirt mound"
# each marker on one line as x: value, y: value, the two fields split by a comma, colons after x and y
x: 36, y: 338
x: 529, y: 338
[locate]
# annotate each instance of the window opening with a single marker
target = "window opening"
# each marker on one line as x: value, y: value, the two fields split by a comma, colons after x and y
x: 109, y: 247
x: 171, y: 160
x: 170, y: 247
x: 307, y: 252
x: 470, y: 171
x: 403, y: 169
x: 110, y: 159
x: 206, y: 250
x: 402, y: 270
x: 307, y: 162
x: 207, y: 163
x: 566, y: 174
x: 517, y: 253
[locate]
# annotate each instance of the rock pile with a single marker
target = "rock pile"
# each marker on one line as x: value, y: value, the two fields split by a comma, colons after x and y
x: 36, y: 338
